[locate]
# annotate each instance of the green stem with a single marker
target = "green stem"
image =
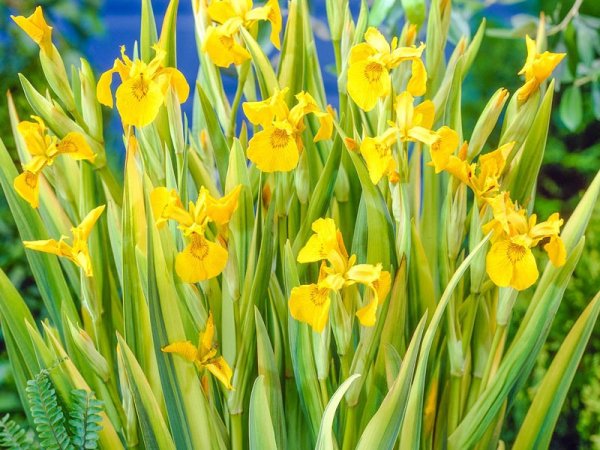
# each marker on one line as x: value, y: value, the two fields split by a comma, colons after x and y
x: 493, y: 357
x: 112, y: 185
x: 236, y: 101
x: 348, y: 442
x: 237, y: 440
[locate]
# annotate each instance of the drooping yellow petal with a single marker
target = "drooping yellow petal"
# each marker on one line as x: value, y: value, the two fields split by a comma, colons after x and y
x: 200, y: 260
x: 36, y: 28
x: 556, y: 251
x: 368, y: 81
x: 498, y: 266
x: 442, y: 149
x: 378, y: 157
x: 367, y: 315
x: 274, y: 149
x: 221, y: 210
x: 27, y: 186
x: 310, y: 304
x: 325, y: 125
x: 76, y: 146
x: 221, y: 370
x: 383, y: 285
x: 139, y: 100
x: 525, y: 271
x: 175, y: 79
x: 185, y: 349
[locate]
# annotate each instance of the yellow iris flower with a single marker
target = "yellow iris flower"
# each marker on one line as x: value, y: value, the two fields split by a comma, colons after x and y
x: 369, y: 67
x: 310, y: 303
x: 143, y: 87
x: 538, y: 67
x: 36, y: 28
x: 201, y: 259
x: 44, y: 149
x: 204, y: 356
x: 77, y: 252
x: 277, y: 147
x: 221, y: 42
x: 510, y: 261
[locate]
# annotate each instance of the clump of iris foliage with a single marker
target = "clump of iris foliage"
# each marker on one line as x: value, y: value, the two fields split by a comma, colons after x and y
x: 316, y: 277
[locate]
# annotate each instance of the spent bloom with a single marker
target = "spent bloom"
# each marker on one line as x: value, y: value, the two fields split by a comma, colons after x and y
x: 201, y: 259
x: 44, y: 149
x: 537, y: 68
x: 277, y: 147
x: 143, y: 87
x: 510, y: 261
x: 311, y: 303
x: 370, y: 64
x: 222, y: 42
x: 204, y: 355
x: 78, y: 251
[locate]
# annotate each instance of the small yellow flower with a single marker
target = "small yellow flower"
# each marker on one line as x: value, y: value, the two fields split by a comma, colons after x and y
x: 325, y: 244
x: 44, y: 149
x: 414, y: 122
x: 537, y: 68
x: 310, y: 303
x: 222, y: 41
x: 369, y: 69
x: 204, y: 356
x: 443, y: 148
x: 201, y: 259
x: 222, y: 46
x: 510, y: 261
x: 143, y: 87
x: 77, y: 252
x: 378, y: 155
x: 36, y: 28
x: 484, y: 176
x: 277, y: 147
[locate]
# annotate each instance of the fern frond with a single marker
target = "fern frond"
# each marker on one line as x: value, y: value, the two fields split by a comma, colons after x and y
x: 13, y: 436
x: 84, y: 422
x: 47, y: 415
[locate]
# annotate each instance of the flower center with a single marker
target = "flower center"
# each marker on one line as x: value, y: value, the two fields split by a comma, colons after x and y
x: 30, y: 179
x: 279, y: 138
x: 140, y: 87
x: 382, y: 150
x: 199, y: 246
x: 373, y: 72
x: 318, y: 295
x: 516, y: 252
